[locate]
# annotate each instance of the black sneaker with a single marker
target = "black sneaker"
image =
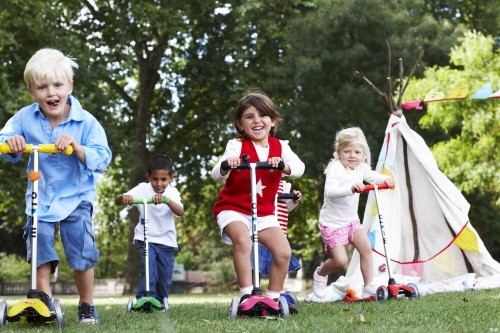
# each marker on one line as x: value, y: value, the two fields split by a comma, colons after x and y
x: 47, y: 300
x: 87, y: 314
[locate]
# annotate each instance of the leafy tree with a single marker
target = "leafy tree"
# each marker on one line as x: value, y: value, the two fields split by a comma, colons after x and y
x: 477, y: 15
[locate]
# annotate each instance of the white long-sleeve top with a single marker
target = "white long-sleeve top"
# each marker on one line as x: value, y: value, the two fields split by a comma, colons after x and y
x: 340, y: 205
x: 233, y: 148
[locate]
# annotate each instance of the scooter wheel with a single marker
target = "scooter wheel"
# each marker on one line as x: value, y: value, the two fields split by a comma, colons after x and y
x: 285, y: 311
x: 382, y: 294
x: 130, y: 304
x: 416, y: 293
x: 291, y: 298
x: 59, y: 313
x: 165, y: 304
x: 3, y: 313
x: 233, y: 310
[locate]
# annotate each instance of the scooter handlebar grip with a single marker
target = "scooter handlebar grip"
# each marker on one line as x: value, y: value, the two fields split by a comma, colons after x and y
x: 288, y: 196
x: 225, y: 166
x: 370, y: 187
x: 149, y: 201
x: 42, y: 148
x: 245, y: 165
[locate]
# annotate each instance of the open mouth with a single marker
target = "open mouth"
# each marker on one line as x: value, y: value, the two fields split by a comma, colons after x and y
x: 53, y: 103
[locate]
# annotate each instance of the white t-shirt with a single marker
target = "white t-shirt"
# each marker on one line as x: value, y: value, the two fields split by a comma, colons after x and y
x: 340, y: 205
x: 161, y: 225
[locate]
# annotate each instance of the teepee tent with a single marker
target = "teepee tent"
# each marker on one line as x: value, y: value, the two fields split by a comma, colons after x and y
x: 426, y: 224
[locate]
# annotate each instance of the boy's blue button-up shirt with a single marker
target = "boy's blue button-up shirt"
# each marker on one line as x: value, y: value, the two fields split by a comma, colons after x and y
x: 65, y: 181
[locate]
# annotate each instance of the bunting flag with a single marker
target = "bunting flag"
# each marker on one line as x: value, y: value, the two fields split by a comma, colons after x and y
x: 486, y: 91
x: 483, y: 92
x: 495, y: 95
x: 434, y: 96
x: 415, y: 104
x: 459, y: 93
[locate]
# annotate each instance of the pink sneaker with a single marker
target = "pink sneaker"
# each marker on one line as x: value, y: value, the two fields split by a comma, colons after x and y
x: 319, y: 284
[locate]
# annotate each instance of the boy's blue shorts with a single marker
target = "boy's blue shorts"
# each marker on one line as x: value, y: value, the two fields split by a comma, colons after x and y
x: 77, y: 238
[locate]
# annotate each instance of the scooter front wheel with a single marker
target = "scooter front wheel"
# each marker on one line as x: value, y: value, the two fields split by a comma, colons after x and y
x: 283, y: 304
x: 291, y: 298
x: 130, y: 304
x: 416, y: 293
x: 3, y: 313
x: 382, y: 294
x: 233, y: 310
x: 59, y: 313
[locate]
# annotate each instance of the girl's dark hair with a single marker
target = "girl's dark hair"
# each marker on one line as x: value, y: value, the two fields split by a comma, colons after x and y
x: 262, y: 103
x: 161, y: 162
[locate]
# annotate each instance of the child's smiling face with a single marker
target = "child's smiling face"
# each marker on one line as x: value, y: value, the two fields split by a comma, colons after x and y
x: 256, y: 126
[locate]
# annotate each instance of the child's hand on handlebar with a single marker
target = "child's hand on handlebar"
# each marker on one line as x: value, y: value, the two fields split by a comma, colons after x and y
x: 299, y: 196
x: 157, y: 198
x: 357, y: 187
x: 127, y: 199
x: 390, y: 182
x: 17, y: 144
x: 274, y: 161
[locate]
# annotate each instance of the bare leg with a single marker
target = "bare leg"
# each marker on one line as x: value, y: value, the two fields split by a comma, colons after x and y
x: 362, y: 244
x: 338, y: 259
x: 84, y: 281
x: 242, y: 245
x: 277, y: 244
x: 43, y: 278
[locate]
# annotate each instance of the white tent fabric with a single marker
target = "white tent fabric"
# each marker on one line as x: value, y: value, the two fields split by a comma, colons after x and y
x: 428, y: 232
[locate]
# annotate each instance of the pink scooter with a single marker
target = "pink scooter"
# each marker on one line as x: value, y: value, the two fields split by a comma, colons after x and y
x: 257, y: 304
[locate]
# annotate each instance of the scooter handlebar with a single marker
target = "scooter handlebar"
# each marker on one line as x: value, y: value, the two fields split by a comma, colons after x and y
x: 245, y: 165
x: 42, y: 148
x: 288, y: 196
x: 370, y: 187
x: 149, y: 201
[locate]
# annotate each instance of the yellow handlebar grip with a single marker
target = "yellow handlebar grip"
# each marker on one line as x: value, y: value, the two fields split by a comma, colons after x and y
x: 42, y: 148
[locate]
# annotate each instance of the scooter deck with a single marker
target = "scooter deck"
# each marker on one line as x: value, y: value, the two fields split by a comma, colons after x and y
x: 349, y: 299
x: 31, y: 309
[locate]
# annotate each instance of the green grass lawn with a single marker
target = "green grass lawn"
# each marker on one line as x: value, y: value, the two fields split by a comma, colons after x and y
x: 471, y: 311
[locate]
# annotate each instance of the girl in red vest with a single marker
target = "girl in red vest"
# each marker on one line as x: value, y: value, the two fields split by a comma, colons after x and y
x: 255, y: 118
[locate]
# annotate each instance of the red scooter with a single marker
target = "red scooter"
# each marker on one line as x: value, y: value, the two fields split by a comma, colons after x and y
x: 393, y: 289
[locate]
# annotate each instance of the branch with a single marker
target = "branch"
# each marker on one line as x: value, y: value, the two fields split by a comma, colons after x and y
x: 412, y: 72
x: 371, y: 84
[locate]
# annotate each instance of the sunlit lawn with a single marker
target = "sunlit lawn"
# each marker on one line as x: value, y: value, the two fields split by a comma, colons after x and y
x: 471, y: 311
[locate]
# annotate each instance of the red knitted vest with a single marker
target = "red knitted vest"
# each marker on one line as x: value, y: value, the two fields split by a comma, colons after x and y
x: 235, y: 195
